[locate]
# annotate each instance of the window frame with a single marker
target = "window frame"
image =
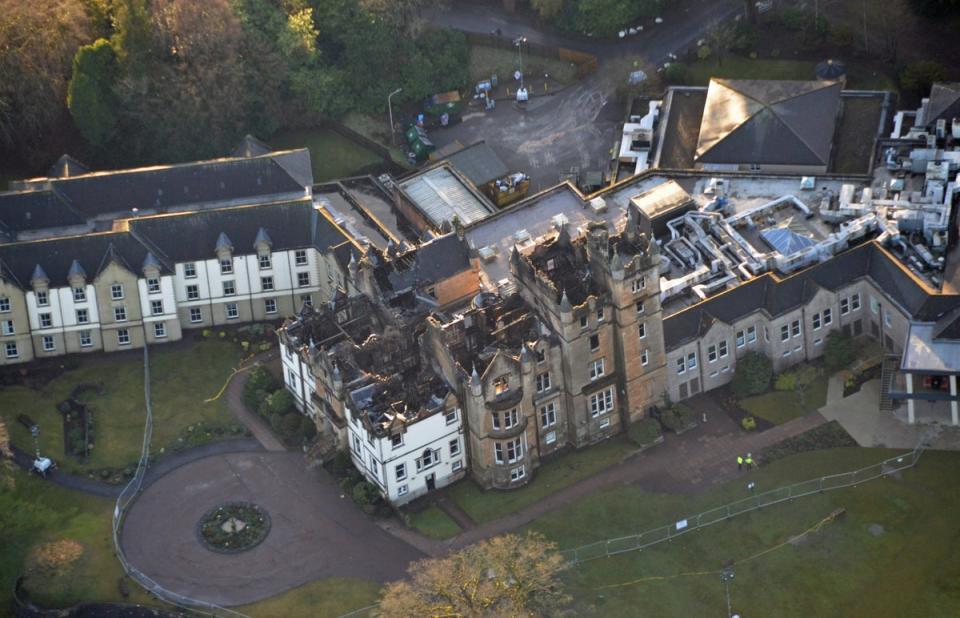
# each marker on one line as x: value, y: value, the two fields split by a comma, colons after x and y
x: 548, y: 414
x: 226, y: 265
x: 153, y: 285
x: 116, y: 291
x: 597, y: 369
x: 229, y: 287
x: 189, y: 270
x: 303, y: 279
x: 300, y: 257
x: 120, y: 313
x: 123, y: 336
x: 266, y: 283
x: 267, y: 303
x: 159, y: 330
x: 48, y: 343
x: 85, y: 338
x: 156, y: 307
x: 233, y: 308
x: 196, y: 315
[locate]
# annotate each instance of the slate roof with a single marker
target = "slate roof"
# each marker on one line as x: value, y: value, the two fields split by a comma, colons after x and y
x: 767, y: 121
x: 30, y: 210
x: 250, y: 146
x: 944, y: 102
x: 479, y: 163
x: 55, y: 257
x: 776, y: 296
x: 434, y: 261
x: 67, y: 166
x: 195, y: 235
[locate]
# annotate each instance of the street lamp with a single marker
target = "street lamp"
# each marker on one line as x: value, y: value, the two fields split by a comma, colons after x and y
x: 393, y: 134
x: 519, y: 41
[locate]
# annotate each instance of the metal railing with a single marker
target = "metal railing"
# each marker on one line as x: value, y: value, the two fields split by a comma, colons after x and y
x: 126, y: 498
x: 643, y: 540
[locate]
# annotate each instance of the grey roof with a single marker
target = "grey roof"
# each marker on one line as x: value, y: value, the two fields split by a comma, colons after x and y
x: 21, y: 211
x: 944, y: 102
x: 777, y: 296
x: 948, y: 327
x: 771, y: 122
x: 262, y: 237
x: 76, y: 270
x: 39, y: 274
x: 785, y: 240
x: 223, y: 242
x: 479, y: 163
x: 67, y: 166
x: 440, y: 195
x: 924, y: 352
x: 151, y: 261
x: 250, y: 146
x: 434, y: 261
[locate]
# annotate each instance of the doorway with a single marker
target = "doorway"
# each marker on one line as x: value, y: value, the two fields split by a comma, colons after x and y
x: 431, y: 482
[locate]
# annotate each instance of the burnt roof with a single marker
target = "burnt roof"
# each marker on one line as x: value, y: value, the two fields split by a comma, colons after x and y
x: 429, y: 263
x: 777, y: 296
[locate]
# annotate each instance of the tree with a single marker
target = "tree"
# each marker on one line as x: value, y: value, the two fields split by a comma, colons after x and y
x: 90, y: 96
x: 838, y: 352
x: 752, y: 376
x: 917, y: 77
x: 547, y: 9
x: 750, y: 10
x: 504, y: 576
x: 403, y: 15
x: 721, y: 38
x: 7, y: 480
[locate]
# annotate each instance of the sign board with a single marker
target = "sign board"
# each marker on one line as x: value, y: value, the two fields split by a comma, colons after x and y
x: 681, y: 524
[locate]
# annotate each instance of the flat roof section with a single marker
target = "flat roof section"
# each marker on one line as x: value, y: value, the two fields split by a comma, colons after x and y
x: 440, y: 195
x: 925, y: 353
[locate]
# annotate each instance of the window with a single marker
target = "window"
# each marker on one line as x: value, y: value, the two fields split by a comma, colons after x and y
x: 303, y: 279
x: 723, y: 348
x: 48, y: 344
x: 681, y: 365
x: 511, y: 418
x: 229, y: 288
x: 594, y: 343
x: 153, y: 285
x: 451, y: 417
x: 458, y: 464
x: 264, y: 261
x: 400, y: 472
x: 270, y: 305
x: 8, y: 328
x: 509, y: 452
x: 642, y: 330
x: 817, y: 342
x: 428, y: 459
x: 193, y: 292
x: 120, y: 313
x: 604, y: 423
x: 874, y: 305
x: 692, y: 361
x: 541, y: 356
x: 784, y: 332
x: 501, y: 385
x: 196, y: 315
x: 356, y: 445
x: 4, y: 304
x: 816, y: 321
x: 644, y: 358
x: 548, y: 414
x: 751, y: 334
x: 402, y: 490
x: 11, y: 349
x: 116, y: 291
x: 189, y: 270
x: 741, y: 340
x: 798, y: 348
x: 43, y: 299
x: 396, y: 440
x: 638, y: 284
x: 855, y: 302
x: 123, y: 337
x: 886, y: 319
x: 517, y: 473
x: 599, y: 315
x: 844, y: 306
x: 307, y: 300
x: 374, y: 466
x: 712, y: 354
x: 226, y: 266
x: 232, y: 311
x: 266, y: 283
x: 550, y: 438
x: 639, y: 306
x: 79, y: 295
x: 602, y: 402
x: 454, y: 447
x: 156, y: 307
x: 300, y: 257
x: 795, y: 327
x: 46, y: 321
x: 596, y: 369
x: 583, y: 321
x: 159, y: 330
x: 786, y: 353
x: 827, y: 316
x: 543, y: 382
x: 85, y: 339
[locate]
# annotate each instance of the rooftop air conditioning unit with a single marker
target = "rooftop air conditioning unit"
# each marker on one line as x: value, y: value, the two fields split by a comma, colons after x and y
x: 598, y: 205
x: 941, y: 128
x: 560, y: 220
x: 488, y: 253
x: 522, y: 236
x: 808, y: 183
x: 955, y: 128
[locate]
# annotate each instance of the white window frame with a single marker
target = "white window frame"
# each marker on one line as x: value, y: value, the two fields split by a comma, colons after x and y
x: 827, y: 316
x: 79, y: 295
x: 844, y: 306
x: 691, y: 361
x: 116, y: 291
x: 193, y: 292
x: 85, y: 338
x: 120, y: 313
x: 751, y: 334
x: 43, y: 298
x: 454, y: 446
x: 596, y: 369
x: 156, y: 307
x: 153, y: 285
x: 548, y: 414
x: 712, y: 353
x: 638, y: 284
x: 400, y: 473
x: 855, y: 302
x: 160, y: 330
x: 123, y: 336
x: 741, y: 339
x: 303, y: 279
x: 601, y: 402
x: 642, y: 330
x: 4, y: 304
x: 11, y: 349
x: 226, y: 266
x: 517, y: 473
x: 231, y: 311
x: 681, y: 365
x: 46, y: 320
x: 543, y: 382
x: 49, y: 343
x: 266, y: 283
x: 796, y: 329
x: 784, y: 332
x: 816, y: 321
x: 722, y: 348
x: 644, y: 357
x: 196, y: 315
x: 270, y: 305
x: 402, y: 490
x: 9, y: 328
x: 229, y: 287
x: 300, y: 257
x: 189, y: 270
x: 264, y: 261
x: 83, y: 316
x: 451, y: 416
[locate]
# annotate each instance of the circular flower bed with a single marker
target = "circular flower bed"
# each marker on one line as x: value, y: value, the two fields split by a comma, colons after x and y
x: 233, y: 527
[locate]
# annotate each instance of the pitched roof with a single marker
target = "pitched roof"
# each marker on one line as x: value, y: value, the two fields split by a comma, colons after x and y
x: 765, y: 121
x: 479, y: 163
x: 30, y: 210
x: 250, y: 146
x: 431, y: 262
x: 777, y: 296
x: 67, y: 166
x: 944, y: 102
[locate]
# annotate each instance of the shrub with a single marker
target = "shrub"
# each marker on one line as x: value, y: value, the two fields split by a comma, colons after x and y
x: 752, y: 376
x: 748, y: 423
x: 677, y: 73
x: 341, y: 463
x: 259, y: 384
x: 829, y: 435
x: 346, y: 485
x: 838, y: 352
x: 365, y: 494
x: 644, y: 432
x: 291, y: 424
x: 280, y: 402
x: 678, y: 417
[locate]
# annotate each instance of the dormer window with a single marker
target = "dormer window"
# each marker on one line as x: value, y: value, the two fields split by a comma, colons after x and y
x: 79, y: 295
x: 501, y: 384
x: 226, y: 265
x: 264, y: 260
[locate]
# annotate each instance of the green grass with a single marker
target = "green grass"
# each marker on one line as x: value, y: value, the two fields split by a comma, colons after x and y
x: 434, y: 523
x: 740, y: 67
x: 778, y: 407
x: 909, y: 570
x: 327, y: 598
x: 333, y: 155
x: 486, y: 61
x: 484, y: 506
x: 36, y: 512
x: 376, y: 128
x: 182, y: 376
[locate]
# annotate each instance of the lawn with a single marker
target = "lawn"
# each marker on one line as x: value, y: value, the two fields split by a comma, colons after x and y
x: 892, y: 554
x: 333, y: 155
x: 486, y: 61
x: 484, y: 506
x: 434, y: 523
x: 182, y: 376
x: 327, y: 598
x: 740, y: 67
x: 778, y: 407
x: 61, y: 540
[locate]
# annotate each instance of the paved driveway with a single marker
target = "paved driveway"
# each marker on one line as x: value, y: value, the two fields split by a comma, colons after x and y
x: 315, y: 534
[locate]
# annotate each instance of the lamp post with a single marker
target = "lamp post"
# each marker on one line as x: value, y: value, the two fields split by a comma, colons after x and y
x: 393, y: 134
x: 519, y: 41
